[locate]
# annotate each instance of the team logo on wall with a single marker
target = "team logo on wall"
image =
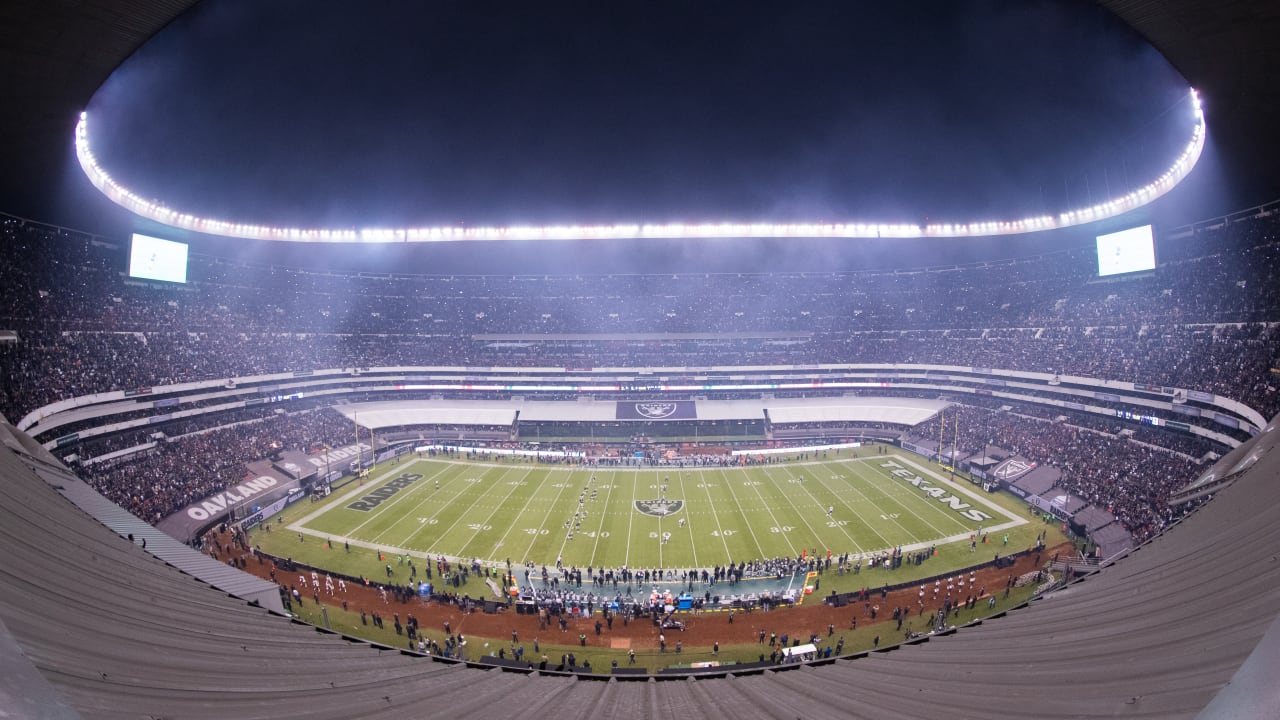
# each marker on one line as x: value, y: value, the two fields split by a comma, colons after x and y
x: 659, y: 508
x: 656, y: 410
x: 1012, y: 469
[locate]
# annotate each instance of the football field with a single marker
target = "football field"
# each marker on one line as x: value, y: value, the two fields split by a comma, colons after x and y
x: 653, y: 517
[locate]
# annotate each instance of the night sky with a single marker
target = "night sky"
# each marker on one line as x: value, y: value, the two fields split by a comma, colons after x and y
x: 385, y: 114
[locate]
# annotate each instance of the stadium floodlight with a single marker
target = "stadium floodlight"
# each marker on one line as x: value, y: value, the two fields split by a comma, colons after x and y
x: 852, y: 229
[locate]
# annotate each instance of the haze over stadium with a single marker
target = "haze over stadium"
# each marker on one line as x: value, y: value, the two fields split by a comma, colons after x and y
x: 539, y: 349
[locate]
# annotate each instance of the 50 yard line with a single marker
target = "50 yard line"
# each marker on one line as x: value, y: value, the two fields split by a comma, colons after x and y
x: 631, y: 516
x: 693, y: 544
x: 603, y: 515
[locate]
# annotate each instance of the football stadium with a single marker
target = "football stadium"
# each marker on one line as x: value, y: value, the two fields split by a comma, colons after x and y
x: 726, y: 360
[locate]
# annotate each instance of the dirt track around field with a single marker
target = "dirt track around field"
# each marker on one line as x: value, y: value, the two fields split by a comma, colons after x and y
x: 811, y: 618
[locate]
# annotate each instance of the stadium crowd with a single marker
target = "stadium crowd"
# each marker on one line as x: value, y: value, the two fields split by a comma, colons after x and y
x: 187, y: 468
x: 1205, y: 320
x: 1129, y: 479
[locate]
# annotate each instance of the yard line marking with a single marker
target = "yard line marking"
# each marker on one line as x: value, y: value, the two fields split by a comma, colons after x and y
x: 805, y: 486
x: 515, y: 486
x: 511, y: 525
x: 547, y: 516
x: 428, y: 496
x: 631, y: 517
x: 693, y: 544
x: 759, y: 548
x: 298, y: 525
x: 712, y: 504
x: 787, y: 496
x: 956, y: 487
x: 442, y: 505
x: 461, y: 516
x: 894, y: 498
x: 860, y: 474
x: 852, y: 508
x: 388, y: 504
x: 600, y: 529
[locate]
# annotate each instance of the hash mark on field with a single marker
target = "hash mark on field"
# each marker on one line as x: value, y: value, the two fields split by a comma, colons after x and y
x: 702, y: 476
x: 413, y: 512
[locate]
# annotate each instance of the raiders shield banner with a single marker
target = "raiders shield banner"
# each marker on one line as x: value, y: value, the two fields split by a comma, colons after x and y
x: 1012, y: 469
x: 657, y: 410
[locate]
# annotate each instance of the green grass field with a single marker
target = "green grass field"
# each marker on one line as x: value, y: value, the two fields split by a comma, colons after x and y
x: 526, y: 512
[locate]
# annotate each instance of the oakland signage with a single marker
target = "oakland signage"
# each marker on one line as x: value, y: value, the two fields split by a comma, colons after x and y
x: 959, y: 505
x: 375, y: 498
x: 216, y: 504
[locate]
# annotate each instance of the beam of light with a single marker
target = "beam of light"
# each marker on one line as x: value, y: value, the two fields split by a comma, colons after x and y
x: 161, y: 213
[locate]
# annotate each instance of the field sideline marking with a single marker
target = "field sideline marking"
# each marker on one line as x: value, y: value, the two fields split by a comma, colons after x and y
x: 937, y: 507
x: 961, y: 489
x: 1012, y: 523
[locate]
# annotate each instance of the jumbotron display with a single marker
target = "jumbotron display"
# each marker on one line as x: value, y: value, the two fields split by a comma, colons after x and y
x: 161, y: 213
x: 152, y: 258
x: 1127, y: 251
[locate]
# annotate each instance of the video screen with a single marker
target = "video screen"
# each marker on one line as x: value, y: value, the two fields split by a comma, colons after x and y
x: 152, y: 258
x: 1127, y: 251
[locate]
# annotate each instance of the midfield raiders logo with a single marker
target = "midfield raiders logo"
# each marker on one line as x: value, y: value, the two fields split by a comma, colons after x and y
x: 659, y: 508
x: 656, y: 410
x: 1012, y: 469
